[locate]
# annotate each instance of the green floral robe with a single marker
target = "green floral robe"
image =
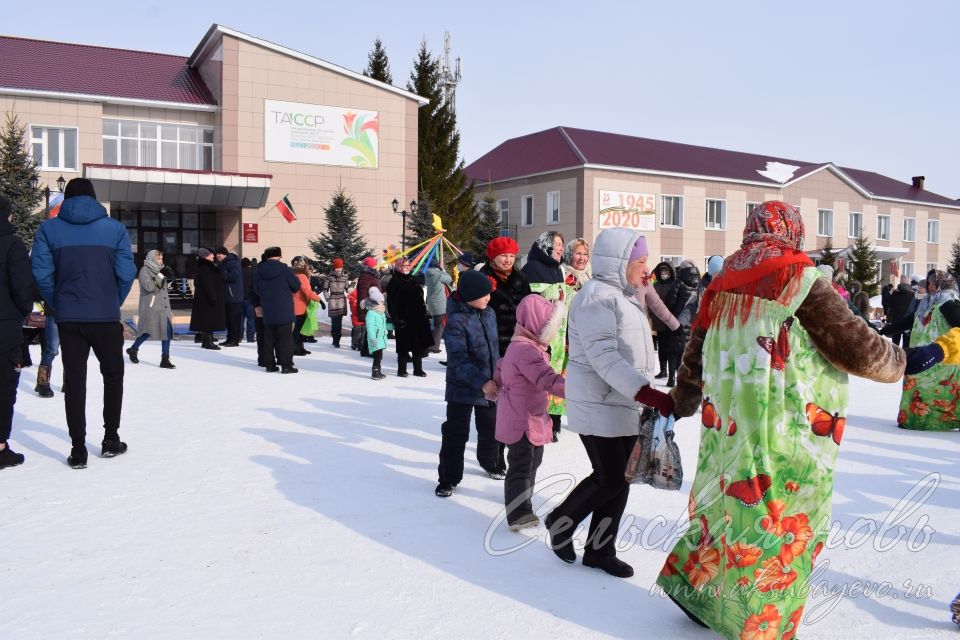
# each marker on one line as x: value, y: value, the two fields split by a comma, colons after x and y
x: 760, y: 504
x: 558, y: 346
x: 929, y: 400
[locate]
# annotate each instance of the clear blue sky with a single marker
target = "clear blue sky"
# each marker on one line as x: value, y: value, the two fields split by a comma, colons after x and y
x: 871, y: 85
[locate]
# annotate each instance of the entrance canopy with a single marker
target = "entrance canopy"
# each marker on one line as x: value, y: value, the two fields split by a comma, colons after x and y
x: 883, y: 253
x: 178, y: 186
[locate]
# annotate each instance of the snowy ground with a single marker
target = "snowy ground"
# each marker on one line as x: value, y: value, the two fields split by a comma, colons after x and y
x: 255, y: 505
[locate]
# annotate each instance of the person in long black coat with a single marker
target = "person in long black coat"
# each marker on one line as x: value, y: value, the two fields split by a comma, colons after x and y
x: 899, y: 308
x: 209, y: 310
x: 666, y: 277
x: 408, y: 312
x: 681, y: 299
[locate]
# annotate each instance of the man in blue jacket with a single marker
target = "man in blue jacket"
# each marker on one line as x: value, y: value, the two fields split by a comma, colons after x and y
x: 275, y: 284
x: 233, y: 295
x: 16, y: 300
x: 84, y: 269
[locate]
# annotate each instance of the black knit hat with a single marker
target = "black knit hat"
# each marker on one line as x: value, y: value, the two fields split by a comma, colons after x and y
x: 79, y: 187
x: 473, y: 285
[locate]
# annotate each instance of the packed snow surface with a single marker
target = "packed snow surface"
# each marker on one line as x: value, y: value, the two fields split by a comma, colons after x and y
x: 256, y: 505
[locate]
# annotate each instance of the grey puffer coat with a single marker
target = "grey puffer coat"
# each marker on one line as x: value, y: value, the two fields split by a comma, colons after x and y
x: 611, y: 348
x: 436, y: 278
x: 154, y: 311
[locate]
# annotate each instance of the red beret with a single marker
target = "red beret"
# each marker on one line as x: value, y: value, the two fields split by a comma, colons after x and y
x: 337, y: 263
x: 501, y: 245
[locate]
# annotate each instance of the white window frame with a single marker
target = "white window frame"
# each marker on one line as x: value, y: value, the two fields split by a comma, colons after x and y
x: 913, y: 230
x: 198, y: 143
x: 43, y: 141
x: 879, y: 270
x: 820, y: 233
x: 672, y: 260
x: 850, y: 228
x: 907, y: 269
x: 679, y: 213
x: 883, y: 231
x: 713, y: 225
x: 526, y: 210
x: 503, y: 207
x: 553, y: 212
x: 749, y: 208
x: 936, y: 225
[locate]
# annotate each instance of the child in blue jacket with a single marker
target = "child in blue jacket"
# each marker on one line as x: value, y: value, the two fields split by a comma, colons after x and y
x: 472, y: 353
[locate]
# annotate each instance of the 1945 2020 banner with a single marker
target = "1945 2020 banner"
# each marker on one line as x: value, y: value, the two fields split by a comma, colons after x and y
x: 320, y: 134
x: 627, y: 209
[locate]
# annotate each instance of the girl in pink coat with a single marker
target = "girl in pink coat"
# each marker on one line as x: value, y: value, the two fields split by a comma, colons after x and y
x: 524, y: 378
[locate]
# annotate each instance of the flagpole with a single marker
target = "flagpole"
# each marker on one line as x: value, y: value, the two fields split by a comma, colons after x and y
x: 273, y: 207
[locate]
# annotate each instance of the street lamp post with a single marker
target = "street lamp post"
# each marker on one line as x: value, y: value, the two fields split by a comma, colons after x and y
x: 403, y: 217
x: 35, y: 182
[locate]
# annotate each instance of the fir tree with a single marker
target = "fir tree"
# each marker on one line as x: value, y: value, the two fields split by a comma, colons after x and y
x: 862, y: 265
x: 439, y: 165
x: 489, y: 223
x: 17, y: 170
x: 954, y: 265
x: 827, y: 255
x: 342, y: 239
x: 378, y: 65
x: 420, y: 224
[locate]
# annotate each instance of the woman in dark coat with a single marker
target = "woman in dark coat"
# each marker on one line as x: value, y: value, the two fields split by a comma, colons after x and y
x: 510, y: 286
x: 411, y: 325
x: 681, y: 299
x: 665, y: 277
x: 209, y: 310
x: 543, y: 261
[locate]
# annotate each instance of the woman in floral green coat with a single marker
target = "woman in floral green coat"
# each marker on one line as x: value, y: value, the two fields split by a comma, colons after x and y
x: 768, y: 360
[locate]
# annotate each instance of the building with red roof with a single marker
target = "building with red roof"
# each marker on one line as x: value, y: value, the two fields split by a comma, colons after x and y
x: 193, y: 151
x: 692, y: 201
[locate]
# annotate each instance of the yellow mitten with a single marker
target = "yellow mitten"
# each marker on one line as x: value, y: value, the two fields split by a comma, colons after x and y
x: 950, y: 343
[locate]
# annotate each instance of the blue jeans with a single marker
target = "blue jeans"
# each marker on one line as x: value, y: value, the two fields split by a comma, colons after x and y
x: 250, y: 320
x: 164, y: 344
x: 50, y: 348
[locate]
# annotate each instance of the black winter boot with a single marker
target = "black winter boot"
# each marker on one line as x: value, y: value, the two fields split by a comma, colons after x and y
x: 77, y: 458
x: 208, y: 342
x: 43, y: 381
x: 9, y: 458
x: 377, y: 374
x: 112, y: 447
x: 165, y: 362
x: 663, y: 368
x: 133, y: 355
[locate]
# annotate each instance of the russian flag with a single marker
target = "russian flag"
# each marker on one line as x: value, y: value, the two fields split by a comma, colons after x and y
x: 56, y: 199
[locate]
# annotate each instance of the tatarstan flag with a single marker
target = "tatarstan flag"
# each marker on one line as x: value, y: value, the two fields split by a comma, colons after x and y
x: 286, y: 208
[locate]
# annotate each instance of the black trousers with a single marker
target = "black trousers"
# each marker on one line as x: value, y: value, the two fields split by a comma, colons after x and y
x: 603, y: 493
x: 258, y: 326
x: 377, y: 359
x: 297, y: 336
x: 336, y: 329
x: 455, y: 432
x: 404, y: 357
x: 9, y: 379
x: 523, y: 460
x: 277, y: 345
x: 234, y: 321
x: 76, y: 341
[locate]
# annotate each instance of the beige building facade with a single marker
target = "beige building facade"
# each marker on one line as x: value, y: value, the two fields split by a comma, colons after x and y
x: 178, y: 147
x: 688, y: 216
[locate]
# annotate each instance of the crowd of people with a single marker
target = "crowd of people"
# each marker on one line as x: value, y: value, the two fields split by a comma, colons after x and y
x: 578, y: 331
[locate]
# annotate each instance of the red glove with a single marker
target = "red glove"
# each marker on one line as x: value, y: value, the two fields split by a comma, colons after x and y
x: 656, y: 399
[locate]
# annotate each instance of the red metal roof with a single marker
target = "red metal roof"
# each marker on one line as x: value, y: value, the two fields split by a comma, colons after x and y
x: 41, y: 65
x: 566, y: 147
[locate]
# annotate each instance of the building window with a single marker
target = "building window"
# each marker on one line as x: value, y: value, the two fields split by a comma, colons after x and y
x: 54, y: 148
x: 526, y: 211
x: 553, y: 207
x: 908, y: 269
x: 883, y: 227
x: 909, y: 229
x: 750, y: 206
x: 933, y: 231
x: 674, y: 260
x: 151, y: 144
x: 825, y: 222
x: 503, y: 206
x: 671, y: 211
x: 716, y: 212
x: 856, y: 225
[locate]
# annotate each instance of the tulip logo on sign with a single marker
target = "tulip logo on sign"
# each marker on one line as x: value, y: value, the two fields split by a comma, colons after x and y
x: 318, y: 134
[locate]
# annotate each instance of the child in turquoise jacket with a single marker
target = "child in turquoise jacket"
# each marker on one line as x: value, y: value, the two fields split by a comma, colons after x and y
x: 376, y: 324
